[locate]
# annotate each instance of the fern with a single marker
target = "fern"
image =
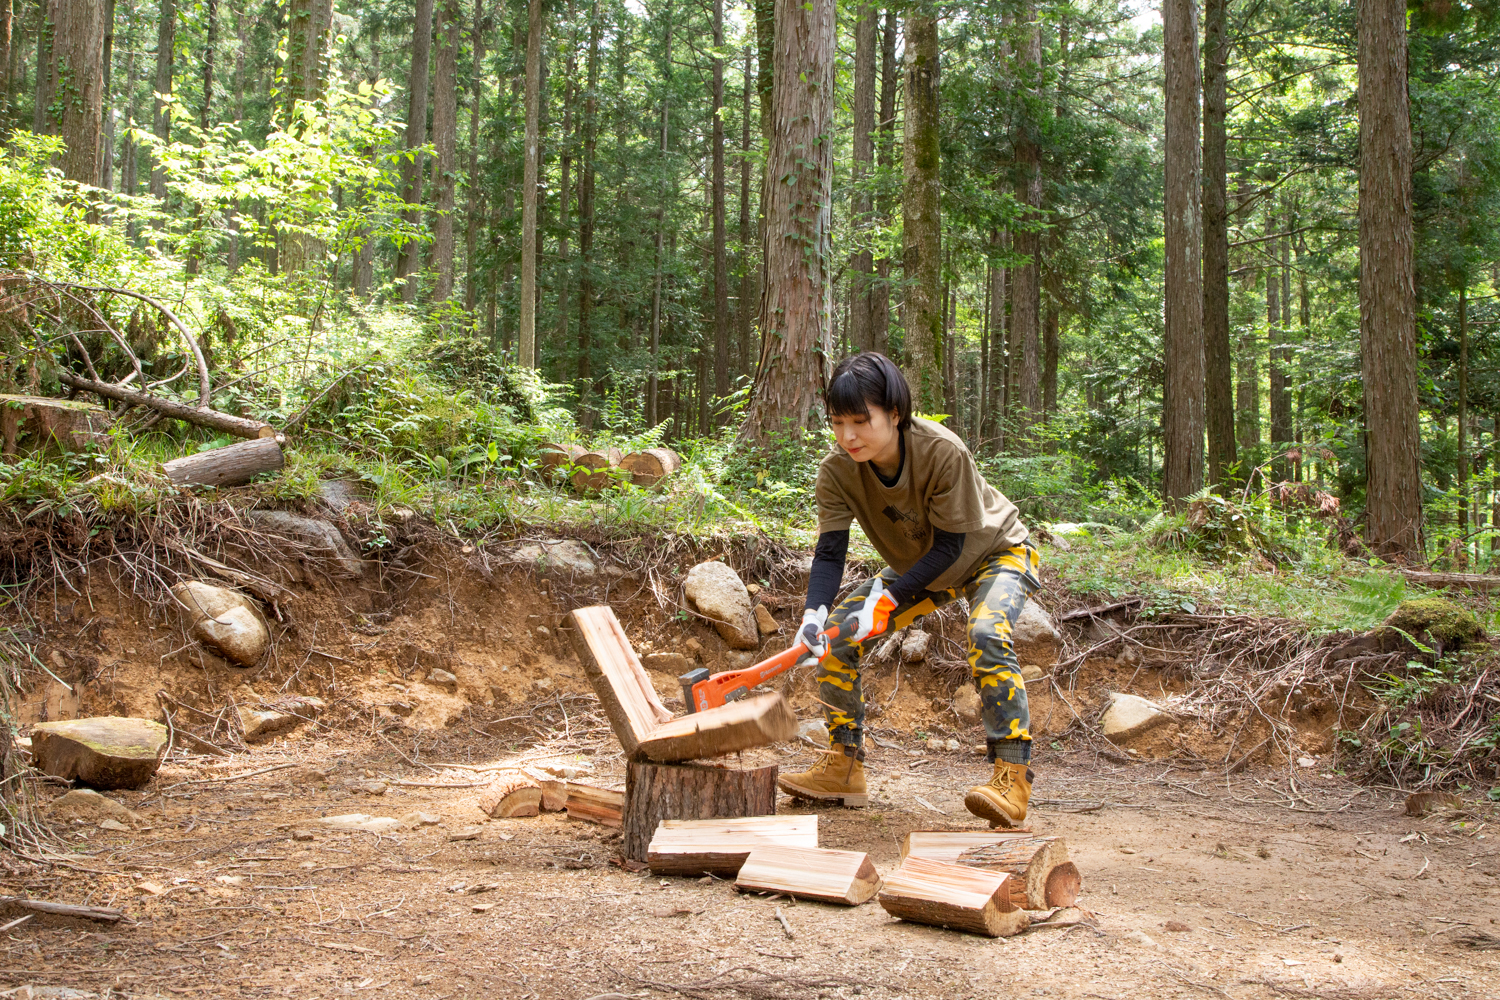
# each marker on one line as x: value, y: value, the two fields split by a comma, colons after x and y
x: 1371, y: 599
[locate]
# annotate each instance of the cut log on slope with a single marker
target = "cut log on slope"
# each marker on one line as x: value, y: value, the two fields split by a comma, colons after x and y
x: 70, y: 424
x: 648, y: 468
x: 845, y: 877
x: 231, y: 465
x: 1041, y: 876
x: 720, y: 846
x: 512, y: 794
x: 952, y: 896
x: 643, y: 725
x: 948, y: 845
x: 591, y: 469
x: 238, y: 426
x: 554, y: 790
x: 594, y: 804
x: 1457, y: 581
x: 656, y: 792
x: 554, y: 458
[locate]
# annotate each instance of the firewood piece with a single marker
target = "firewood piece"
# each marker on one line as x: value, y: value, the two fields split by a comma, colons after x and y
x: 846, y: 877
x: 948, y: 845
x: 1042, y: 877
x: 656, y: 792
x: 643, y: 725
x: 594, y: 804
x: 103, y: 914
x: 511, y: 794
x: 228, y: 423
x: 554, y: 790
x: 591, y: 472
x: 231, y: 465
x: 648, y: 468
x: 556, y: 457
x: 952, y: 896
x: 720, y: 846
x: 71, y: 424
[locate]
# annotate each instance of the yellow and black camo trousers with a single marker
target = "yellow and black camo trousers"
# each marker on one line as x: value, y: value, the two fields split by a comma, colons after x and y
x: 996, y: 593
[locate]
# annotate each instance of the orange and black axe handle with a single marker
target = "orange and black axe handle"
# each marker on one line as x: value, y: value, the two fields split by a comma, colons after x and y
x: 703, y: 691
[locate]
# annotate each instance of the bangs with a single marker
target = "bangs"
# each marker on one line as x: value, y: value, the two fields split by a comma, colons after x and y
x: 866, y: 380
x: 846, y: 397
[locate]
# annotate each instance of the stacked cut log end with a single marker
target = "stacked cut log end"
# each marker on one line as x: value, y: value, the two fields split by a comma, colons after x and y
x: 952, y: 896
x: 845, y: 877
x: 720, y: 846
x: 590, y: 471
x: 648, y: 468
x: 555, y: 458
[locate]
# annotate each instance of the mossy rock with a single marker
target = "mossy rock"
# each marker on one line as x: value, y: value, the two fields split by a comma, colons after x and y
x: 105, y: 752
x: 1450, y: 624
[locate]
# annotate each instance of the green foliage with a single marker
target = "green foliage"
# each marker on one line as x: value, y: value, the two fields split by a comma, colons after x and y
x: 1448, y: 623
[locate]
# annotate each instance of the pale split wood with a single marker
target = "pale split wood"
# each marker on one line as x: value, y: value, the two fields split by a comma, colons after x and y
x: 740, y: 725
x: 720, y: 846
x: 952, y: 896
x: 947, y: 845
x: 511, y: 794
x: 554, y: 790
x: 594, y: 804
x: 830, y: 876
x: 1042, y: 877
x: 648, y: 468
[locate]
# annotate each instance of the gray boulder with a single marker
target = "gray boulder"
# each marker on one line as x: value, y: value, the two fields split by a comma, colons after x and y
x: 716, y: 592
x: 320, y: 536
x: 1129, y: 716
x: 224, y: 619
x: 104, y: 752
x: 1035, y: 638
x: 568, y: 556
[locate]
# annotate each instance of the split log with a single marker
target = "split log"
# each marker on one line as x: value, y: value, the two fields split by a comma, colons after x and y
x: 952, y: 896
x: 231, y: 465
x: 103, y: 914
x: 512, y: 794
x: 70, y: 424
x: 643, y: 725
x: 648, y: 468
x: 1041, y: 876
x: 591, y: 473
x: 846, y: 877
x: 238, y: 426
x: 594, y: 804
x: 948, y: 845
x: 720, y: 846
x: 554, y: 790
x: 556, y: 457
x: 656, y: 792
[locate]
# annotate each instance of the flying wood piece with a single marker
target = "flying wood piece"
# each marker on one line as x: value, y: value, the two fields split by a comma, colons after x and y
x: 720, y: 846
x: 952, y: 896
x: 594, y: 804
x: 757, y: 721
x: 846, y: 877
x: 512, y: 794
x: 1042, y: 877
x: 947, y: 845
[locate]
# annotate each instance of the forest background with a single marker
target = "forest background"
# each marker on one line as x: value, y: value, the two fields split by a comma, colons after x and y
x: 342, y: 203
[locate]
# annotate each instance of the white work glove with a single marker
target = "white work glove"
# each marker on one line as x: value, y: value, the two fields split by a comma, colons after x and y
x: 810, y: 636
x: 874, y: 614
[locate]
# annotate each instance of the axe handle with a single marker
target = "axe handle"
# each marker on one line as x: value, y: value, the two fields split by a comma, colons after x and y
x: 714, y: 691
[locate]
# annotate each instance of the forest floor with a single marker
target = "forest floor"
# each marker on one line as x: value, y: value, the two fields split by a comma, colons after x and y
x: 1282, y: 879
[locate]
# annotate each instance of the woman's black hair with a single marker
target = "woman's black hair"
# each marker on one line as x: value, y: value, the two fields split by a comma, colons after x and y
x: 866, y: 380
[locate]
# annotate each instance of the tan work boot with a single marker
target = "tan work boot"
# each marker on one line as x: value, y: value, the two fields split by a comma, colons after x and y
x: 838, y: 777
x: 1003, y: 800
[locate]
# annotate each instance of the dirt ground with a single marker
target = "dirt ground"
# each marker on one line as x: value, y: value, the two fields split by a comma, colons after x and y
x: 1280, y: 880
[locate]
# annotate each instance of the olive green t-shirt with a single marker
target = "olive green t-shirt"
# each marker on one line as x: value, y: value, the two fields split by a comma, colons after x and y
x: 939, y: 486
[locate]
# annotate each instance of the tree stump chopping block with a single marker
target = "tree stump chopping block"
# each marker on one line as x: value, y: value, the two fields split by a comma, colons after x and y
x: 656, y: 792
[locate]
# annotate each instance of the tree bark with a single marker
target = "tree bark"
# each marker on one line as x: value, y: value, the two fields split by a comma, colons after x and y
x: 445, y: 142
x: 657, y: 792
x: 747, y: 287
x: 527, y: 331
x: 1051, y: 347
x: 1463, y: 421
x: 77, y: 71
x: 416, y: 137
x: 1182, y: 400
x: 1219, y: 398
x: 107, y: 140
x: 586, y: 210
x: 161, y: 122
x: 795, y: 340
x: 210, y: 43
x: 7, y: 17
x: 1278, y: 354
x: 565, y: 184
x: 720, y: 225
x: 921, y: 248
x: 653, y: 384
x: 862, y: 268
x: 1026, y: 290
x: 880, y: 295
x: 475, y: 192
x: 307, y: 28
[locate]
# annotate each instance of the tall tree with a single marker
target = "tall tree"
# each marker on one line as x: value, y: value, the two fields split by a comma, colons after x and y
x: 743, y: 310
x: 7, y: 16
x: 474, y: 192
x: 1279, y: 354
x: 796, y: 336
x: 77, y: 70
x: 445, y: 143
x: 653, y: 386
x: 161, y: 120
x: 308, y: 24
x: 862, y: 268
x: 210, y: 44
x: 1182, y: 399
x: 565, y: 183
x: 921, y: 248
x: 720, y: 226
x: 416, y: 137
x: 107, y: 140
x: 1026, y: 281
x: 586, y: 209
x: 1219, y: 398
x: 890, y: 73
x: 526, y: 334
x: 1387, y: 285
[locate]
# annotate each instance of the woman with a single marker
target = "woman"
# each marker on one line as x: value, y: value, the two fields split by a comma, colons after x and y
x: 943, y: 531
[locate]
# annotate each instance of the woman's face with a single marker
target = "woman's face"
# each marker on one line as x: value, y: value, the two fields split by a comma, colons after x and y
x: 868, y: 436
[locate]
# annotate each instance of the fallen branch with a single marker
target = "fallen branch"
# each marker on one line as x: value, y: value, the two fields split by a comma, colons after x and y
x: 203, y: 417
x: 1471, y: 581
x: 100, y: 913
x: 204, y: 383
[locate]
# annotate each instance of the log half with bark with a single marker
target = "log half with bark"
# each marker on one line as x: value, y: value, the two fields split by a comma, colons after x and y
x: 648, y: 468
x: 952, y: 896
x: 1041, y: 876
x: 511, y: 794
x: 720, y: 846
x: 594, y: 804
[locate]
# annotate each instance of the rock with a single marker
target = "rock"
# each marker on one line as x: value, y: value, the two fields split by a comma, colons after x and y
x: 814, y: 732
x: 415, y: 819
x: 763, y: 619
x: 321, y: 536
x: 752, y: 589
x: 667, y: 663
x: 263, y: 720
x: 1437, y: 621
x: 1306, y: 762
x: 338, y: 494
x: 568, y: 556
x: 369, y: 786
x: 303, y: 836
x: 951, y: 745
x: 914, y: 646
x: 1032, y: 672
x: 967, y: 704
x: 361, y: 821
x: 1175, y: 927
x: 739, y: 659
x: 1128, y: 716
x: 113, y: 825
x: 1422, y: 803
x: 693, y: 648
x: 224, y: 619
x: 105, y: 752
x: 443, y: 678
x: 91, y: 807
x: 716, y: 593
x: 1035, y: 638
x: 472, y: 833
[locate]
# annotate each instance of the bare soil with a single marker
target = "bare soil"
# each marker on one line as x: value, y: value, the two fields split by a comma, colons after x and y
x: 1278, y: 880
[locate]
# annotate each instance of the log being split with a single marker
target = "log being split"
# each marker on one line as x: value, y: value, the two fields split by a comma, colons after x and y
x: 594, y: 804
x: 720, y: 846
x: 657, y: 792
x: 231, y: 465
x: 648, y: 468
x: 952, y: 896
x: 591, y: 472
x: 238, y: 426
x: 512, y: 794
x: 1041, y: 876
x: 845, y: 877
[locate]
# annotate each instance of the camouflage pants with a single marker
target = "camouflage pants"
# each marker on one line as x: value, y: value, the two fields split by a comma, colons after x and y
x: 996, y: 593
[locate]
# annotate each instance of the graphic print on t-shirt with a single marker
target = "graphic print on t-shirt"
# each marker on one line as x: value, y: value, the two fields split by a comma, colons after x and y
x: 913, y: 529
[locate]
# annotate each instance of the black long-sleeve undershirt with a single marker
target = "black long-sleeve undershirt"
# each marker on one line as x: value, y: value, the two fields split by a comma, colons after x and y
x: 827, y: 571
